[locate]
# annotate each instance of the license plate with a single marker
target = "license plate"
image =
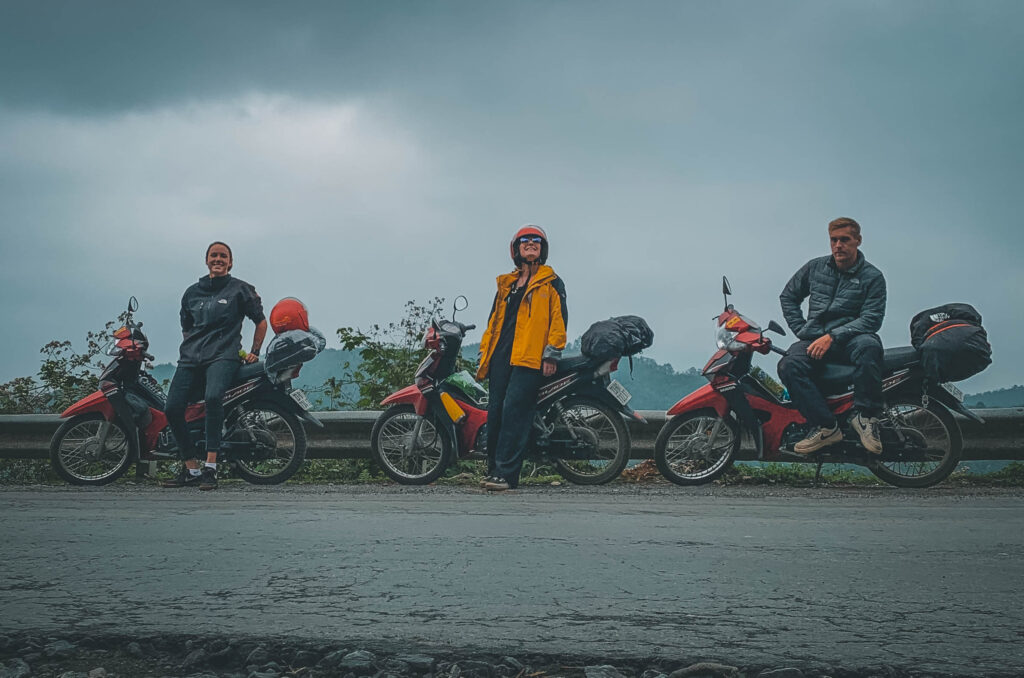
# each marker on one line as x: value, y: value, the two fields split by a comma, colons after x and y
x: 299, y: 396
x: 620, y: 392
x: 953, y: 391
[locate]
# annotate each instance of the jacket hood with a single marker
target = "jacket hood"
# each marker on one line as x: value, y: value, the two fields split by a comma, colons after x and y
x: 544, y: 274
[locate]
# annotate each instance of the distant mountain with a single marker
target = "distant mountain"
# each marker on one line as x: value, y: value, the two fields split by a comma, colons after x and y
x: 1004, y: 397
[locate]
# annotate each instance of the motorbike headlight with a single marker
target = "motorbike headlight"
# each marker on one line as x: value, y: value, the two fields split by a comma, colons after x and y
x: 726, y: 339
x: 430, y: 338
x: 113, y: 349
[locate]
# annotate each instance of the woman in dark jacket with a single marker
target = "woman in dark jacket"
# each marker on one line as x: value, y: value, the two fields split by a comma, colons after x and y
x: 212, y: 311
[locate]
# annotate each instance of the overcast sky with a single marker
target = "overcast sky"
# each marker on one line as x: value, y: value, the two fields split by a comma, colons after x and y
x: 358, y: 155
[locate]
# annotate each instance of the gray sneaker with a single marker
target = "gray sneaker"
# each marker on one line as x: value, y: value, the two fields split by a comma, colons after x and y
x: 823, y: 437
x: 867, y: 429
x: 496, y: 484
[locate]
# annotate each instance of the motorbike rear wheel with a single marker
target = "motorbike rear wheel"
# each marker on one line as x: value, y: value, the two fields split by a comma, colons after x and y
x: 279, y: 438
x: 404, y: 460
x: 607, y: 438
x: 931, y: 445
x: 697, y: 447
x: 76, y: 456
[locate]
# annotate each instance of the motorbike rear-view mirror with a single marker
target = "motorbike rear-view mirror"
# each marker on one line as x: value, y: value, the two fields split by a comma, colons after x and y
x: 726, y: 291
x: 461, y: 304
x: 133, y: 304
x: 774, y: 327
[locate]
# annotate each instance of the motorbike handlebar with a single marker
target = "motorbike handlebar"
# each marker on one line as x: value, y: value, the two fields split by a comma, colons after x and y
x: 148, y: 356
x: 776, y: 349
x: 469, y: 327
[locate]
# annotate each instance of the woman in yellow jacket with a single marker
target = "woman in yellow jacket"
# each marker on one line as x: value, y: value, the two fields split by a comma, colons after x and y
x: 523, y: 341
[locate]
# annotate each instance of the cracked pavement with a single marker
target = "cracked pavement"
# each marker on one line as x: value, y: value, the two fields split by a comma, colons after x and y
x: 928, y: 580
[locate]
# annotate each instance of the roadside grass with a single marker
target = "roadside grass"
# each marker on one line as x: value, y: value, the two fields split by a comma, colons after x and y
x: 469, y: 473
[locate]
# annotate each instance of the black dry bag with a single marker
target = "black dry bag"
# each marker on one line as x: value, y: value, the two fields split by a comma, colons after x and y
x: 952, y: 342
x: 624, y: 335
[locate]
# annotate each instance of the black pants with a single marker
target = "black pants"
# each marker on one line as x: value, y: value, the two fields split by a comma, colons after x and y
x: 511, y: 404
x: 797, y: 370
x: 219, y: 376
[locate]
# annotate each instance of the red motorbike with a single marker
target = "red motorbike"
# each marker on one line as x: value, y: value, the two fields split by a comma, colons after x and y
x: 921, y: 441
x: 124, y: 422
x: 578, y: 427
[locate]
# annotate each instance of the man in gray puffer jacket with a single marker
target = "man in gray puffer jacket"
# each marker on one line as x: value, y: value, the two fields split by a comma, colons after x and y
x: 846, y: 307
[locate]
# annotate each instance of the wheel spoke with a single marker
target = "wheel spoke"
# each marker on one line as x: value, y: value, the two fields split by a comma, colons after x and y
x: 80, y: 454
x: 926, y: 441
x: 272, y: 437
x: 591, y: 435
x: 695, y: 450
x: 407, y: 457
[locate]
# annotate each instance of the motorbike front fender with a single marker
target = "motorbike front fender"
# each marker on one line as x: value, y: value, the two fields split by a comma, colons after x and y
x: 410, y: 395
x: 96, y: 401
x: 703, y: 398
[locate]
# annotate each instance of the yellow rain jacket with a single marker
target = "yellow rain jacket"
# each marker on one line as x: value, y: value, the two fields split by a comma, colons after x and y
x: 540, y: 324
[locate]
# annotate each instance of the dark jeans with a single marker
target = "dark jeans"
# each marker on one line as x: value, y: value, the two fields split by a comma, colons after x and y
x: 511, y: 404
x: 218, y: 376
x: 797, y: 370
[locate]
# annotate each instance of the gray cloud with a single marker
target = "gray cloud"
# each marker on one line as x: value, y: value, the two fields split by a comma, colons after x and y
x: 361, y: 154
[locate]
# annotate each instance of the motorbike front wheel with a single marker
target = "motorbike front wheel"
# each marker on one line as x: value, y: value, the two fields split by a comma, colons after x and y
x: 604, y: 437
x: 412, y: 450
x: 697, y: 447
x: 921, y: 445
x: 82, y: 453
x: 278, y: 443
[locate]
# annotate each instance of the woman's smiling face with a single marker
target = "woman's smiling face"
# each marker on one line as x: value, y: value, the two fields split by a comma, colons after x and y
x: 218, y: 260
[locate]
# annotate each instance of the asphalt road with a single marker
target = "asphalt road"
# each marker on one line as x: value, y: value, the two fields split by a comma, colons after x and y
x: 928, y: 579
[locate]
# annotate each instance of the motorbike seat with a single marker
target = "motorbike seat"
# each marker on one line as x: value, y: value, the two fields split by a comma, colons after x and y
x: 247, y: 371
x: 572, y: 363
x: 837, y: 377
x: 898, y: 358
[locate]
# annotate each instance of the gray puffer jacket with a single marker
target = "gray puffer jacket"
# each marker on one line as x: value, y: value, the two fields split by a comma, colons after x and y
x: 842, y: 303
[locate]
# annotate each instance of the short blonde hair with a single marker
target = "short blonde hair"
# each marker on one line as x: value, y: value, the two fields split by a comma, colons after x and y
x: 844, y: 222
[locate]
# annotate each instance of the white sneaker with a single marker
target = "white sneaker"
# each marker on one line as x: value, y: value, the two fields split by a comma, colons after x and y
x: 823, y: 437
x: 867, y: 429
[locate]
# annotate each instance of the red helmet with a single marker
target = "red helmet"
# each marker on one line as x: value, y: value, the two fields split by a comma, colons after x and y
x: 289, y: 314
x: 529, y: 229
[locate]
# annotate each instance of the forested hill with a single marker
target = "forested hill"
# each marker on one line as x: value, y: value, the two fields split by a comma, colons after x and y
x: 1004, y: 397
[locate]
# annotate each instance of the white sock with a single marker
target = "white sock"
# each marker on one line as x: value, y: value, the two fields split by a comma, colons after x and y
x: 195, y: 472
x: 211, y: 464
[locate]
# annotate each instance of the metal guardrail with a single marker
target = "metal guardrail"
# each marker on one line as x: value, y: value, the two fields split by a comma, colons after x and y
x: 347, y: 434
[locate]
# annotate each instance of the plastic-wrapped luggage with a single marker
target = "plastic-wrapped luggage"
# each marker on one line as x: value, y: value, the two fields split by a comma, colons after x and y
x: 293, y: 347
x: 623, y: 335
x: 952, y: 342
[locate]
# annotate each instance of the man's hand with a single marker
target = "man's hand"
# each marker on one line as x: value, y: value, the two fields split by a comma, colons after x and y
x: 819, y: 347
x: 250, y: 358
x: 548, y: 367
